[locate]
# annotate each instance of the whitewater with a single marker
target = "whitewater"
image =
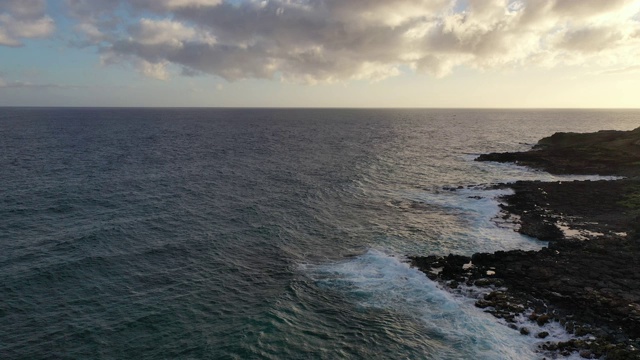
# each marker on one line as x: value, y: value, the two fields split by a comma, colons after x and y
x: 258, y: 233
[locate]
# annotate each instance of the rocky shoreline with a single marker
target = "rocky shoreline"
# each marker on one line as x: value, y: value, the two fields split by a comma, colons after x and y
x: 606, y: 152
x: 587, y: 279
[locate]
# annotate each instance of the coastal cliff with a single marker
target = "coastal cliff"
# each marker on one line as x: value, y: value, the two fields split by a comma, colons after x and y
x: 587, y: 279
x: 606, y: 152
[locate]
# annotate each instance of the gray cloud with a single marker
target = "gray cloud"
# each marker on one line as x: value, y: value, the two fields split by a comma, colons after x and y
x: 338, y: 40
x: 591, y: 39
x: 22, y: 85
x: 20, y: 19
x: 587, y: 7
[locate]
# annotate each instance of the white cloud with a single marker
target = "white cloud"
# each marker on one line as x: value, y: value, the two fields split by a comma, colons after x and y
x: 175, y: 4
x: 337, y: 40
x: 392, y: 13
x: 91, y: 32
x: 154, y: 70
x: 23, y: 19
x: 173, y: 33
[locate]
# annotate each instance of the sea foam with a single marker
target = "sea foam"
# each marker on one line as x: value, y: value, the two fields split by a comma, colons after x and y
x: 376, y: 279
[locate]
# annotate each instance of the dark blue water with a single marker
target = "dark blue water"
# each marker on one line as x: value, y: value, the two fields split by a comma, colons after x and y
x: 210, y: 234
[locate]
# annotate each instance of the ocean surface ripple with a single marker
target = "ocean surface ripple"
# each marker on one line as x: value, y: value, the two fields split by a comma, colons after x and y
x: 257, y: 233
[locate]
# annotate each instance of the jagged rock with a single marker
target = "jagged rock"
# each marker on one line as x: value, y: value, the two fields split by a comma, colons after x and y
x: 482, y: 304
x: 586, y: 354
x: 603, y: 152
x: 537, y: 227
x: 542, y: 319
x: 542, y: 335
x: 590, y: 286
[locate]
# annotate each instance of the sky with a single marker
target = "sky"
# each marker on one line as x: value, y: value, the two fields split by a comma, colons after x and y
x: 321, y: 53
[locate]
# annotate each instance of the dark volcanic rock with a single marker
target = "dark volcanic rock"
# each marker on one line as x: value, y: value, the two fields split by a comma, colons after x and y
x: 538, y: 227
x: 589, y: 283
x: 591, y: 287
x: 594, y: 206
x: 603, y: 152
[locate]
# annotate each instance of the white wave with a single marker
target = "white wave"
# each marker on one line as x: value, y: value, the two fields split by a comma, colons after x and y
x: 478, y: 207
x: 477, y: 212
x: 376, y: 279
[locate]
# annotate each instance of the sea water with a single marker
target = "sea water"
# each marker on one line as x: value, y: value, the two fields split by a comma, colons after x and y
x: 256, y: 233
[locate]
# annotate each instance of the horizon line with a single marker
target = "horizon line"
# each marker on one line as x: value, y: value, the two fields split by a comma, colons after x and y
x: 310, y: 107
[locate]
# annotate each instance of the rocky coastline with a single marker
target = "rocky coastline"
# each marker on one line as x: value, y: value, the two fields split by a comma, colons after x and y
x: 588, y: 278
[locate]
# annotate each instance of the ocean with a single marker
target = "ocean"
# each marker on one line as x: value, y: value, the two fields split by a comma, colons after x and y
x: 257, y: 233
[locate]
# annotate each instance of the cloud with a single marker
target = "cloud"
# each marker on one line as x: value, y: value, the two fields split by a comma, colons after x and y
x: 625, y: 70
x: 167, y: 32
x: 23, y: 19
x: 22, y: 85
x: 174, y: 4
x: 591, y: 39
x: 314, y: 41
x: 582, y: 8
x: 154, y: 70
